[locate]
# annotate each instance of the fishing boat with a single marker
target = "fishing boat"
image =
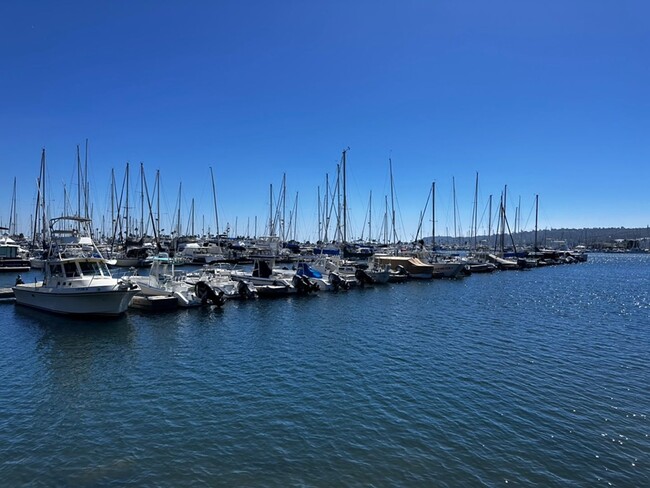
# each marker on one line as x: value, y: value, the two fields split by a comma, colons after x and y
x: 76, y: 279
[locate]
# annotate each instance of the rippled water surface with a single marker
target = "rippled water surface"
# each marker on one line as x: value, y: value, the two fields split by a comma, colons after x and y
x: 536, y: 378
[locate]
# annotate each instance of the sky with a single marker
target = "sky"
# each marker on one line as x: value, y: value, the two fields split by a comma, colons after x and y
x: 531, y: 98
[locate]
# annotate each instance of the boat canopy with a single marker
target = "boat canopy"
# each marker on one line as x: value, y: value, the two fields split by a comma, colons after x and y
x: 305, y: 270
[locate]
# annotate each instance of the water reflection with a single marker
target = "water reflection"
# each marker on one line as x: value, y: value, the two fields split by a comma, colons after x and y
x: 73, y: 352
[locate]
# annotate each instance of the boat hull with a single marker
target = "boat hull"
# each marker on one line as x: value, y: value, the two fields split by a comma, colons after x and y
x: 109, y: 301
x: 448, y: 270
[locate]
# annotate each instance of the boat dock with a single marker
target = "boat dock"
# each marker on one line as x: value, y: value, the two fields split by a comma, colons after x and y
x: 6, y: 295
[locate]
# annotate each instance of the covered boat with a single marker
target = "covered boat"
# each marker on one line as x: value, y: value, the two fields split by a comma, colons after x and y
x: 412, y: 265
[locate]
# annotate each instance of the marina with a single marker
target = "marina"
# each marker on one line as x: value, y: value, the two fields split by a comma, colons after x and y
x: 532, y: 378
x: 325, y: 244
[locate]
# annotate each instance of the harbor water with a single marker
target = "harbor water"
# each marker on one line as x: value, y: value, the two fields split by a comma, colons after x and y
x: 518, y: 378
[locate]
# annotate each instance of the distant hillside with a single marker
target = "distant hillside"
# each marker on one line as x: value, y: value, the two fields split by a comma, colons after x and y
x: 573, y: 237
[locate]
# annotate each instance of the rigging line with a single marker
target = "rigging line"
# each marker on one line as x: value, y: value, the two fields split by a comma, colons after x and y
x: 530, y: 213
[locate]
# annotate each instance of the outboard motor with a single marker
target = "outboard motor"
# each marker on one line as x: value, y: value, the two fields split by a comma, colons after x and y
x: 363, y: 278
x: 303, y: 285
x: 246, y: 290
x: 207, y: 294
x: 338, y: 282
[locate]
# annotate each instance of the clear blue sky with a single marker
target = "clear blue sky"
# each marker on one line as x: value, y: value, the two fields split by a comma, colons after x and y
x: 548, y: 98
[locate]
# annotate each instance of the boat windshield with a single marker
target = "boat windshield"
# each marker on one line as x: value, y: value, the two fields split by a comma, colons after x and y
x: 70, y: 270
x: 56, y: 270
x: 8, y: 251
x: 92, y: 268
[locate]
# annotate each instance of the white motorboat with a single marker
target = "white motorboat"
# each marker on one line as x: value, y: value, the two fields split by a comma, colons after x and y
x: 76, y: 279
x: 219, y: 278
x: 164, y: 280
x: 274, y: 282
x: 331, y: 281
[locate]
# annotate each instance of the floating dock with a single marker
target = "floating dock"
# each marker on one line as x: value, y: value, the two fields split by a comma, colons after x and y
x: 161, y: 303
x: 6, y: 295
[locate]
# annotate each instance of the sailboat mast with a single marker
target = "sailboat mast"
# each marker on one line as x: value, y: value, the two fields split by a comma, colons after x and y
x: 86, y: 188
x: 503, y: 219
x: 326, y: 210
x: 386, y: 219
x: 112, y: 201
x: 214, y: 197
x: 295, y: 218
x: 128, y: 224
x: 142, y: 199
x: 283, y: 231
x: 37, y: 211
x: 345, y: 199
x: 489, y: 232
x: 13, y: 214
x: 338, y: 203
x: 370, y: 217
x: 78, y: 187
x: 536, y: 218
x: 192, y: 218
x: 320, y: 215
x: 392, y: 202
x: 475, y: 213
x: 271, y: 226
x: 178, y: 218
x: 433, y: 216
x: 158, y: 199
x: 453, y: 186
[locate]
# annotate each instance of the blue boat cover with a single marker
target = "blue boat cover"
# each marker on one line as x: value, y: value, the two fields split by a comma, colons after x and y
x: 305, y: 270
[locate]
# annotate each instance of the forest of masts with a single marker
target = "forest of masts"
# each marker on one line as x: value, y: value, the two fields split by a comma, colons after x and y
x: 138, y: 217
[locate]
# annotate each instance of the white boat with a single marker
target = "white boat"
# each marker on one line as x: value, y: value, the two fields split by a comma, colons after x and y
x: 12, y: 257
x: 164, y: 280
x: 502, y: 263
x: 219, y: 278
x: 273, y: 282
x: 452, y: 268
x: 207, y: 253
x: 336, y: 268
x: 76, y: 279
x: 330, y: 282
x: 374, y: 274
